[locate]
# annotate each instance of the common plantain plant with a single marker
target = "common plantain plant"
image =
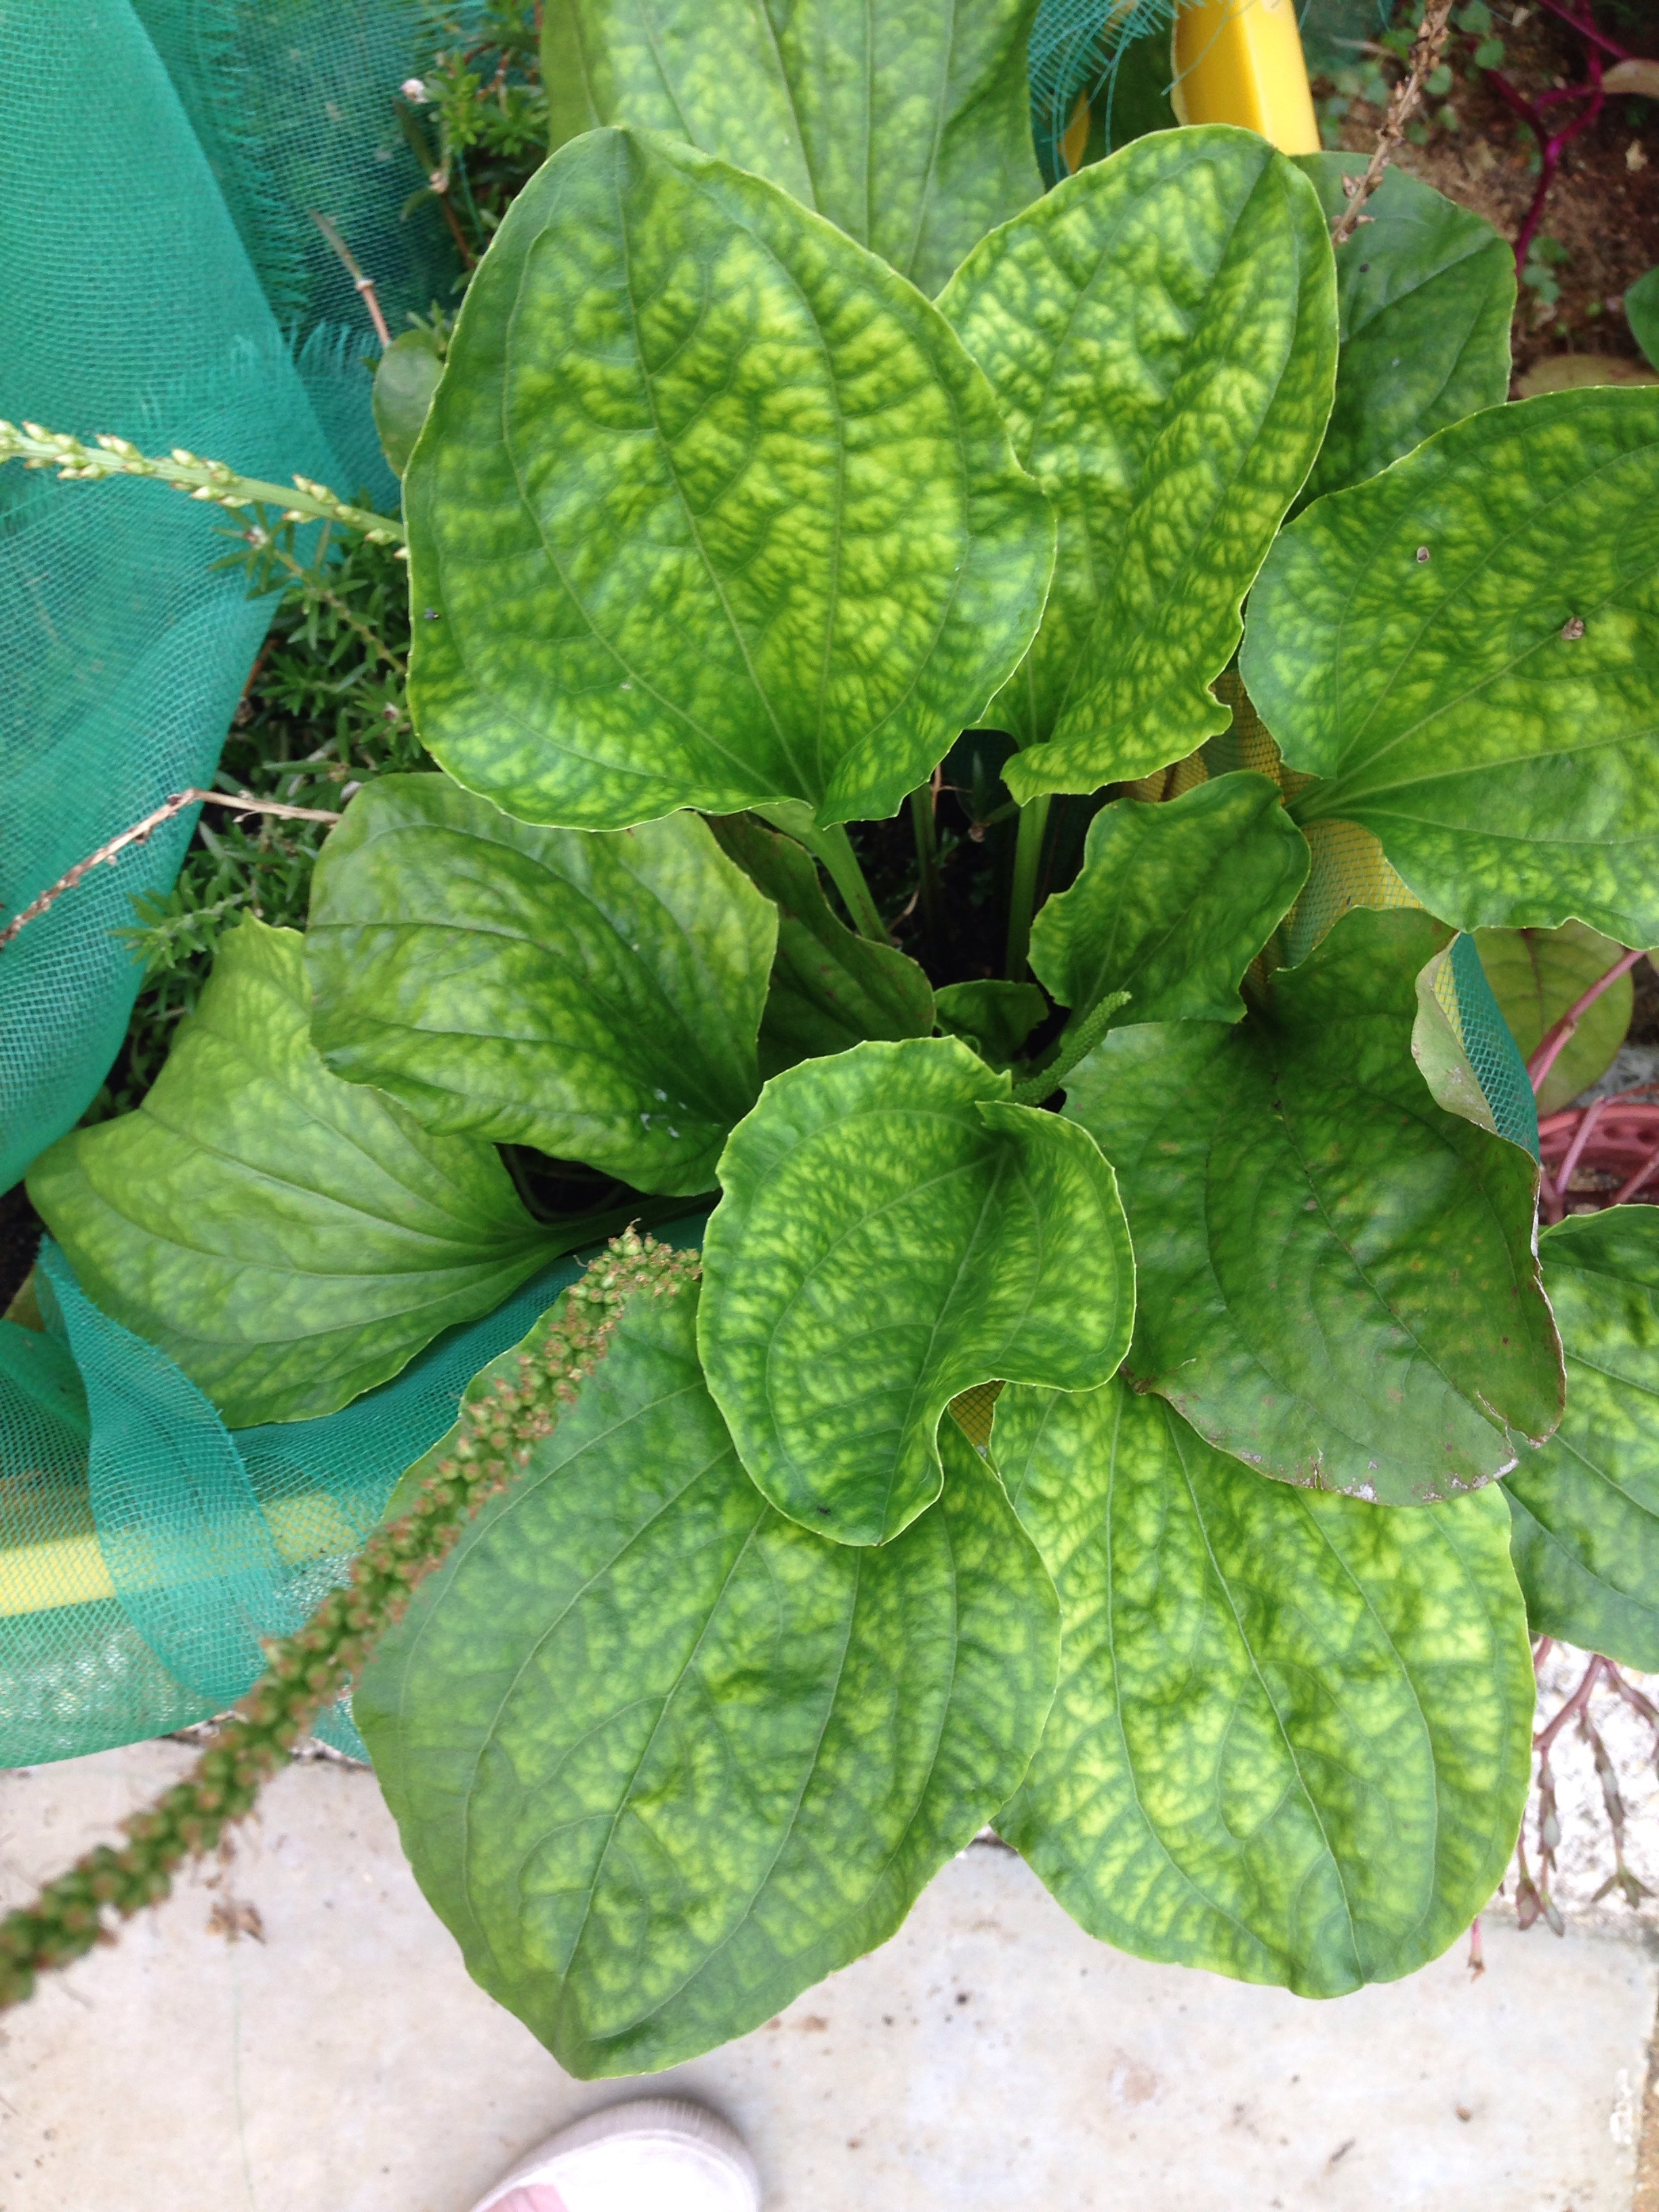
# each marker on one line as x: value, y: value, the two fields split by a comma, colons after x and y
x: 785, y: 434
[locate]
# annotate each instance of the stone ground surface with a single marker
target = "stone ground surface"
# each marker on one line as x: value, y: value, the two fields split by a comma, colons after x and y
x: 335, y: 2058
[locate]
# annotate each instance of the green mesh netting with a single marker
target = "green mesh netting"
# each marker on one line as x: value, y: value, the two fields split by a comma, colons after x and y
x: 292, y: 102
x: 145, y: 1549
x: 163, y: 161
x: 1468, y: 1001
x: 1083, y: 50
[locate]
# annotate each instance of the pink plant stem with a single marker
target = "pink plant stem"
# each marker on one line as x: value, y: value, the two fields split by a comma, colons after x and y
x: 1632, y: 1696
x: 1632, y: 1184
x: 1553, y: 145
x: 1587, y: 29
x: 1554, y: 1194
x: 1560, y: 1033
x: 1577, y: 1703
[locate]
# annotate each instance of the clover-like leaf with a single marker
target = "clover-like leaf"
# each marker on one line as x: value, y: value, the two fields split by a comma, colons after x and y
x: 1336, y: 1276
x: 287, y: 1239
x: 1535, y: 975
x: 1161, y: 331
x: 831, y: 988
x: 1425, y: 292
x: 659, y: 1758
x: 1174, y: 902
x: 908, y: 125
x: 595, y: 994
x: 1466, y: 651
x: 711, y: 508
x: 893, y: 1232
x: 1291, y: 1740
x: 1586, y: 1508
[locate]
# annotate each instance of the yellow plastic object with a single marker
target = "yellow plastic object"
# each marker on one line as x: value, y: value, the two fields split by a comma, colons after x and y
x: 68, y: 1568
x: 1240, y: 61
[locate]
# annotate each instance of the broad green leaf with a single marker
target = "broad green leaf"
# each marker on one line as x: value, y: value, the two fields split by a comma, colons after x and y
x: 1586, y: 1508
x: 595, y: 995
x: 831, y: 988
x: 1535, y: 975
x: 1291, y: 1740
x: 908, y: 126
x: 893, y: 1232
x: 1426, y: 291
x: 1465, y: 649
x: 1161, y: 331
x: 287, y: 1239
x: 992, y: 1017
x: 405, y: 379
x: 660, y: 1759
x: 1336, y: 1277
x: 711, y: 508
x: 1174, y: 903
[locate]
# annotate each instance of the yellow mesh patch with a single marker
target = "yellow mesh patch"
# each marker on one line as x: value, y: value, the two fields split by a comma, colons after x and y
x: 1248, y: 743
x: 1169, y: 782
x: 1444, y: 984
x: 973, y: 1410
x: 50, y: 1555
x: 1349, y: 869
x: 1186, y: 776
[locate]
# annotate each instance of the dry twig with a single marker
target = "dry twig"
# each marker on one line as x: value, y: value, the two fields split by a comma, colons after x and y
x: 365, y: 285
x: 141, y: 833
x: 1403, y: 103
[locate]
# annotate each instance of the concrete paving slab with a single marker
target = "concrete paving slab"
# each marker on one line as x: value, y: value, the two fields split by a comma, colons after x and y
x: 335, y: 2058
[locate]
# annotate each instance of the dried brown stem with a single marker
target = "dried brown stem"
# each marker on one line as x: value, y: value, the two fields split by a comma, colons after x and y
x: 365, y: 285
x: 141, y: 833
x: 1403, y: 103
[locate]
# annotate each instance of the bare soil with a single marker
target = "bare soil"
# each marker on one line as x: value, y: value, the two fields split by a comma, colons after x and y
x: 1603, y: 209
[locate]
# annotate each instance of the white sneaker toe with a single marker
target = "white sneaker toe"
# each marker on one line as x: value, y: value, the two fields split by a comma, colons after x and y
x: 656, y: 2155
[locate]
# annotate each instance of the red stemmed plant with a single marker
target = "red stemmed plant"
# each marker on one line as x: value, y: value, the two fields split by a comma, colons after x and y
x: 1581, y: 104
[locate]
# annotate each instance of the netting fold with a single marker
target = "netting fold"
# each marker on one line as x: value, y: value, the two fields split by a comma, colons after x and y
x: 146, y: 1550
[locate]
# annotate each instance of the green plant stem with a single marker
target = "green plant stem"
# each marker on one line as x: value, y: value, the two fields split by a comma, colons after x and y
x: 1075, y: 1042
x: 304, y: 500
x: 834, y: 849
x: 1028, y: 859
x: 928, y: 877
